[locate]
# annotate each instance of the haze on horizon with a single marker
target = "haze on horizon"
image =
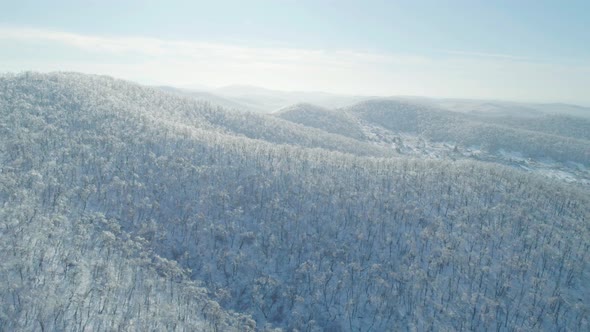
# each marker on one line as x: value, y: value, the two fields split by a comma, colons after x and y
x: 523, y: 51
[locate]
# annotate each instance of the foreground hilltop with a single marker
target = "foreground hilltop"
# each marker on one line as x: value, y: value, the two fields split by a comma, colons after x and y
x: 125, y: 207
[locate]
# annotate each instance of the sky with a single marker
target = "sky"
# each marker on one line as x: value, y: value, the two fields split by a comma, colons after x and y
x: 513, y: 50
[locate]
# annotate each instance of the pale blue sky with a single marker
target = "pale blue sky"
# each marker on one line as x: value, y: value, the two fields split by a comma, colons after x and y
x: 518, y: 50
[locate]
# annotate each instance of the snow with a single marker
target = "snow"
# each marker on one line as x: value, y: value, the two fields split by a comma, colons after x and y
x: 417, y: 146
x: 141, y: 210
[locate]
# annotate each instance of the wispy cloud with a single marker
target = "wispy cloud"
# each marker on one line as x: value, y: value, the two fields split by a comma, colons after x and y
x: 487, y: 55
x: 180, y: 49
x: 185, y: 62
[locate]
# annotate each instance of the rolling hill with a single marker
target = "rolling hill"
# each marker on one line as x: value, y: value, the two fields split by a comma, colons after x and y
x: 125, y: 207
x: 332, y: 121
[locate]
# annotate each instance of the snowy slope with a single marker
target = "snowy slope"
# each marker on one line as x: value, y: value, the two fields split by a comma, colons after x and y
x: 154, y: 212
x: 332, y: 121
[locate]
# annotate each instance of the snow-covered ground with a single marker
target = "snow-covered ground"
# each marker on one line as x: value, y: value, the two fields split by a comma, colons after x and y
x: 415, y: 145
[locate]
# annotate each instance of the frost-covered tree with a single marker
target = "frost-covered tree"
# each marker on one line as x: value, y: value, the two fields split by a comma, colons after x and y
x: 125, y: 208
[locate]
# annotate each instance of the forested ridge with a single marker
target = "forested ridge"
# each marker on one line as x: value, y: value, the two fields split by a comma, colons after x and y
x: 561, y: 138
x: 126, y: 208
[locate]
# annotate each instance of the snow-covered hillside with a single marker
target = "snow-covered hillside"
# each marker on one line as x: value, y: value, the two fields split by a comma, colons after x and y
x: 555, y: 146
x: 127, y: 208
x: 332, y: 121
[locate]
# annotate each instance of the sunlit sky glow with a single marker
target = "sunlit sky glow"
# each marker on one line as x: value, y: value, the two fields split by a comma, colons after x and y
x: 516, y: 50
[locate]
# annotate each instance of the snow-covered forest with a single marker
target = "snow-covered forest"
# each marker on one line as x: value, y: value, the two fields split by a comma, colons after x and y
x: 125, y: 207
x: 552, y: 145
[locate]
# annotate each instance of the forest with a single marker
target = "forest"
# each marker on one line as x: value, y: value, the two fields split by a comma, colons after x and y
x: 125, y: 207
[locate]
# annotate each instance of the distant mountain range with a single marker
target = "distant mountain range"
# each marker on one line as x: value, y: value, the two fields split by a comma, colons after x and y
x: 261, y: 100
x: 256, y: 99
